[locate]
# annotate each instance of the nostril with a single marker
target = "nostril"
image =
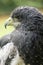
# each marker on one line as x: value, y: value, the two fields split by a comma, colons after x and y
x: 9, y: 20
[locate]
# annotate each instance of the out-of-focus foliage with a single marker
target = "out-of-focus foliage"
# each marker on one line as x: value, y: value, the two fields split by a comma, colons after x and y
x: 8, y: 5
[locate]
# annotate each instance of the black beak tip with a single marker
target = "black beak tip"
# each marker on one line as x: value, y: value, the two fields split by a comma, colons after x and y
x: 5, y: 26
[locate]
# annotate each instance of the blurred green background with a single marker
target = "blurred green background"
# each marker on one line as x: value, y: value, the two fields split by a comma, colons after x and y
x: 6, y: 6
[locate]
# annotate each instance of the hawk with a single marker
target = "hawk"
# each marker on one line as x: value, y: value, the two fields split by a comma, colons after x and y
x: 25, y: 44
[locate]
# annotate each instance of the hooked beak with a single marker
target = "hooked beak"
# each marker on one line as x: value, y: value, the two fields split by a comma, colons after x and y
x: 11, y: 22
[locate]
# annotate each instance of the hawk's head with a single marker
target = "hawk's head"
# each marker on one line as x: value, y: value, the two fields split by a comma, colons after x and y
x: 29, y: 17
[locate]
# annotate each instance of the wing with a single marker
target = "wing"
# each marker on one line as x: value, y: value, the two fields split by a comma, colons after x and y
x: 24, y: 41
x: 4, y: 40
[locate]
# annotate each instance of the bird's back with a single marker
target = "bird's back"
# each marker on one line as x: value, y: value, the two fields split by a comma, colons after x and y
x: 29, y: 45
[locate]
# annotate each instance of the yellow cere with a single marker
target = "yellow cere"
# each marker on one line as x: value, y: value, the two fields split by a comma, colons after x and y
x: 4, y: 31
